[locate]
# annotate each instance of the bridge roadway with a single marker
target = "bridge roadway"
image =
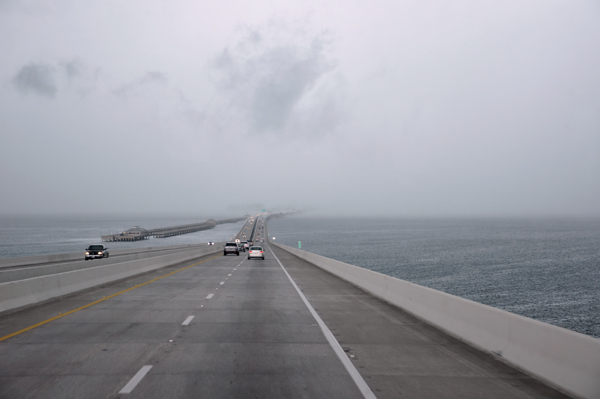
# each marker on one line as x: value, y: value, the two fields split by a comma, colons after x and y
x: 229, y: 327
x: 38, y: 261
x: 113, y: 255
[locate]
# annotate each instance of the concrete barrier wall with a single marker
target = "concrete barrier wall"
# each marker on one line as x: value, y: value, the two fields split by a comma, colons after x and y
x: 37, y: 271
x: 21, y: 293
x: 562, y: 358
x: 33, y: 260
x: 44, y: 270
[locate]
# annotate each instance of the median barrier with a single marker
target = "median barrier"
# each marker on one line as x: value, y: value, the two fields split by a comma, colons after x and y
x: 31, y: 260
x: 565, y: 359
x: 17, y: 294
x: 21, y: 273
x: 34, y: 260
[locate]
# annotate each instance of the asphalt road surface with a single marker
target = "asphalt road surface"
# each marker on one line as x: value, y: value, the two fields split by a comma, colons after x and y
x: 229, y: 327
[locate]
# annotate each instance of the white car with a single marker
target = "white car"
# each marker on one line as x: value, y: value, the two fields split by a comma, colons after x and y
x: 231, y: 248
x: 256, y: 252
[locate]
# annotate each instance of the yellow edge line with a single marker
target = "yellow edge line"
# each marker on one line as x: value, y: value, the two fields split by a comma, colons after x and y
x: 98, y: 301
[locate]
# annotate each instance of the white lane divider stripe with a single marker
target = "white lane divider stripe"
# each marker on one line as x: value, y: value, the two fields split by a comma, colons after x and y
x: 358, y: 380
x: 135, y: 380
x: 187, y: 321
x: 209, y: 296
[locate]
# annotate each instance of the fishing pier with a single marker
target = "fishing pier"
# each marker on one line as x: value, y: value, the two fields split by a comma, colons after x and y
x: 137, y: 233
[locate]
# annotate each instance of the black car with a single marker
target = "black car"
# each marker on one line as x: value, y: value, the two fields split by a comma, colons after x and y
x: 96, y: 251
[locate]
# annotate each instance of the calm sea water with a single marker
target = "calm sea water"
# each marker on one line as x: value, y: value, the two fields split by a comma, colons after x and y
x: 548, y: 270
x: 40, y: 235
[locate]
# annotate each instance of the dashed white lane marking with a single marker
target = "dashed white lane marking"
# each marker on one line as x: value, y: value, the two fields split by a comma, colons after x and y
x: 229, y: 275
x: 358, y: 380
x: 187, y: 321
x: 210, y: 296
x: 135, y: 380
x: 222, y: 282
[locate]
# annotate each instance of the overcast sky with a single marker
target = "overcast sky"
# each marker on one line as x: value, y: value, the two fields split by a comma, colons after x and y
x: 412, y: 108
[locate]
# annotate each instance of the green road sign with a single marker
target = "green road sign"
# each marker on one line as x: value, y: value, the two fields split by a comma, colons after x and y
x: 299, y: 244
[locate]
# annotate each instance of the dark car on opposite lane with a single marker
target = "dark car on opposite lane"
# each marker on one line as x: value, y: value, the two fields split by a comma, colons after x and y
x: 96, y: 252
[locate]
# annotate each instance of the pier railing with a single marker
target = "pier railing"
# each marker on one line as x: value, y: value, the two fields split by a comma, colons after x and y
x: 138, y: 233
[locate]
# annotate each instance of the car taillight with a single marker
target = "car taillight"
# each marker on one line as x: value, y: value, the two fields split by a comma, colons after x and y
x: 261, y: 252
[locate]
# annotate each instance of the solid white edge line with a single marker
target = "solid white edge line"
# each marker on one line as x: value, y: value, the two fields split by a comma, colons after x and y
x: 339, y: 351
x: 187, y: 321
x: 135, y: 380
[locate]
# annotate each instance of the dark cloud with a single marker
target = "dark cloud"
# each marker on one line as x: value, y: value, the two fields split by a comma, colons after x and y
x: 274, y: 82
x: 72, y: 68
x: 153, y: 77
x: 36, y: 79
x: 149, y: 78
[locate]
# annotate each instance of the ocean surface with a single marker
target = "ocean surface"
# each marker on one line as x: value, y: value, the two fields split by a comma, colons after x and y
x: 545, y: 269
x: 41, y: 235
